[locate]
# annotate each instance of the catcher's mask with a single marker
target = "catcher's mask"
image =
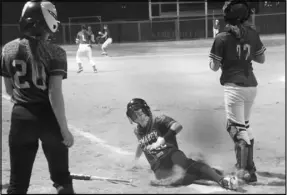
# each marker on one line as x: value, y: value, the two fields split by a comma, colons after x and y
x: 236, y: 11
x: 135, y: 105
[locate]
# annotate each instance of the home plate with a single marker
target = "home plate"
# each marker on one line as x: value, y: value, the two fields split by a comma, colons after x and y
x: 206, y: 189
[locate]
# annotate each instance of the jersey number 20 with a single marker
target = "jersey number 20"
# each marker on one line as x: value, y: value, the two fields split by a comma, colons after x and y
x: 20, y: 74
x: 245, y: 53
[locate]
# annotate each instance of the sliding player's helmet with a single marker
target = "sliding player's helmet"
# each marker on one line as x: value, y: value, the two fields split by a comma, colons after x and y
x: 136, y: 104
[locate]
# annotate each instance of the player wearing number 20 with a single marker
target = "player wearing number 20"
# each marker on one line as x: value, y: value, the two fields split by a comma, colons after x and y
x: 233, y: 51
x: 33, y: 70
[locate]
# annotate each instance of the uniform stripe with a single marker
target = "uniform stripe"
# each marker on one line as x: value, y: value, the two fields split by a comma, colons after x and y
x: 58, y: 70
x: 247, y: 124
x: 260, y: 52
x: 215, y: 57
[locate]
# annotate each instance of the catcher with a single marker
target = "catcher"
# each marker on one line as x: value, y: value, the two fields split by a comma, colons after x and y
x: 157, y: 140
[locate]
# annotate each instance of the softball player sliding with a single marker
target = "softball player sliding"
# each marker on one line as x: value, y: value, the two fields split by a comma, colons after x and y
x: 84, y: 39
x: 233, y: 51
x: 157, y: 140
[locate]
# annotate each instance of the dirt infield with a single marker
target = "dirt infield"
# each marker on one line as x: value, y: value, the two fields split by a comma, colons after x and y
x: 174, y: 78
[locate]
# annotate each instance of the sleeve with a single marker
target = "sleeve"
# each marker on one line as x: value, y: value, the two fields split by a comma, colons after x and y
x: 259, y: 47
x: 59, y: 63
x: 216, y: 52
x: 166, y: 121
x: 4, y: 68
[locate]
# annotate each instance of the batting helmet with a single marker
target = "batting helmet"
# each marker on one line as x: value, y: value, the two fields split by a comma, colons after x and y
x: 136, y: 104
x: 236, y: 11
x: 38, y: 17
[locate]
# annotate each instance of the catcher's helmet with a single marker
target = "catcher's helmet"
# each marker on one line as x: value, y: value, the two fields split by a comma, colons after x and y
x: 38, y: 17
x: 236, y: 11
x: 136, y: 104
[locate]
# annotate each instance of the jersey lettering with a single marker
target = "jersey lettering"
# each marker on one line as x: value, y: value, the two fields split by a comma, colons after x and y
x: 21, y: 73
x: 246, y: 54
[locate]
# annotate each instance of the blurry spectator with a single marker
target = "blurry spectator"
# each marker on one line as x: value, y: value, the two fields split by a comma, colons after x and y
x: 216, y: 27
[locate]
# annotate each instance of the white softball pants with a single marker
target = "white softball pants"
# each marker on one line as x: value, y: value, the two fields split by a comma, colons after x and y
x: 107, y: 43
x: 238, y: 103
x: 84, y: 50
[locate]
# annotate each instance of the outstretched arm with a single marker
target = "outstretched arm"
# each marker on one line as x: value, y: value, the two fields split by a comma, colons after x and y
x: 138, y: 152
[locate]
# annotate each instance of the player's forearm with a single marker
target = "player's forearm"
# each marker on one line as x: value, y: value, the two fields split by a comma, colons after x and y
x: 214, y: 65
x: 57, y: 102
x: 176, y: 127
x: 8, y: 86
x: 138, y: 152
x: 259, y: 59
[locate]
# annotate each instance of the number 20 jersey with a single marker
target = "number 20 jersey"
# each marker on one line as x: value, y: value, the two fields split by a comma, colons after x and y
x: 18, y: 58
x: 236, y: 56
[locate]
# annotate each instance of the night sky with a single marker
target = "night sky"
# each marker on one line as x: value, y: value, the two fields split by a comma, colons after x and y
x: 11, y: 11
x: 110, y: 10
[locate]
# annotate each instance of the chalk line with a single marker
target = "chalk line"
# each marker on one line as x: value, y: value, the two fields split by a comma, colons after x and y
x: 89, y: 136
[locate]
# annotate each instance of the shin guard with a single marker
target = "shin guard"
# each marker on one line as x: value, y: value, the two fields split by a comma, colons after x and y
x: 241, y: 150
x: 250, y: 161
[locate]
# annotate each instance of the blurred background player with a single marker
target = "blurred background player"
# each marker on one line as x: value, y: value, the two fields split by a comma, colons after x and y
x: 106, y: 36
x: 33, y: 70
x: 233, y: 51
x: 157, y: 140
x: 90, y: 31
x: 85, y: 48
x: 216, y: 27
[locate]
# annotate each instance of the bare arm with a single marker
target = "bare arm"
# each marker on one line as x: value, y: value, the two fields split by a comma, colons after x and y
x: 214, y: 64
x: 57, y: 100
x: 138, y: 152
x: 176, y: 127
x: 8, y: 86
x: 259, y: 59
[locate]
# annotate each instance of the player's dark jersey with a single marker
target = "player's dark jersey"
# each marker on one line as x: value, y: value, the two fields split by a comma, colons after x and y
x: 216, y: 26
x: 108, y: 33
x: 84, y: 37
x: 236, y: 56
x: 92, y: 36
x: 160, y: 127
x: 30, y: 63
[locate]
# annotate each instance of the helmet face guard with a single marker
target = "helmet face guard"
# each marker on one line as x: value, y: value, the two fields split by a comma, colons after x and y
x: 131, y: 112
x: 135, y: 105
x: 39, y: 17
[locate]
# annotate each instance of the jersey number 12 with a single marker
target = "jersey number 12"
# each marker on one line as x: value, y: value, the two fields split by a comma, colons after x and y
x: 243, y: 51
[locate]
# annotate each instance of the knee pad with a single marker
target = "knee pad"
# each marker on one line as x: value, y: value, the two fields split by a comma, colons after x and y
x: 241, y: 150
x: 237, y: 132
x: 249, y: 130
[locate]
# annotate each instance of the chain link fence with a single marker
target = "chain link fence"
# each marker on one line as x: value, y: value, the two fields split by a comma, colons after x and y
x: 144, y: 31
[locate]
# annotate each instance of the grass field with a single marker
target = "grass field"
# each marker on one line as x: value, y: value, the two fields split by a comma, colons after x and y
x: 174, y: 78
